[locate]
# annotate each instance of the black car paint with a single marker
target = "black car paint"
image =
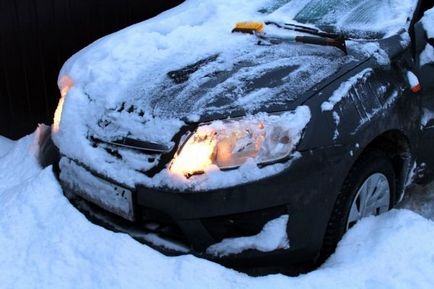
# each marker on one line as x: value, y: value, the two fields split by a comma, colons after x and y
x: 309, y: 198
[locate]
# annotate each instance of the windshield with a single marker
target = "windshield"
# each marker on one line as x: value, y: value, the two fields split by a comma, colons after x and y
x: 355, y: 18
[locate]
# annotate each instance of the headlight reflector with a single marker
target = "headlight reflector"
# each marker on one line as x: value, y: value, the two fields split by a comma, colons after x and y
x: 231, y: 143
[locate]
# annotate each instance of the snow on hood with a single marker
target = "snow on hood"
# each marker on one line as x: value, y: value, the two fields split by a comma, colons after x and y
x: 125, y: 76
x: 147, y: 80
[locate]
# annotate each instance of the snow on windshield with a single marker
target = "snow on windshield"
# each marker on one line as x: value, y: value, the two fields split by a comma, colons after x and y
x: 360, y: 18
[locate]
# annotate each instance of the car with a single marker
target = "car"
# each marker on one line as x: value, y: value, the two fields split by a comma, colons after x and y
x: 250, y: 133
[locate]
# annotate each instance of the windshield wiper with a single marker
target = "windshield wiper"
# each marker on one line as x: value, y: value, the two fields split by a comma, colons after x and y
x: 321, y: 38
x: 324, y: 38
x: 305, y: 29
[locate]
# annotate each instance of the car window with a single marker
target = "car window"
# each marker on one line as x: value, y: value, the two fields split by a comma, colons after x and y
x: 356, y: 18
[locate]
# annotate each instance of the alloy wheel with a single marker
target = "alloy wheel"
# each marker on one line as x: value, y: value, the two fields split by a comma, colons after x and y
x: 372, y: 198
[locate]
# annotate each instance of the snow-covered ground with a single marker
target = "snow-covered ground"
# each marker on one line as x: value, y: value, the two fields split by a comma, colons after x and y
x: 5, y: 145
x: 46, y: 243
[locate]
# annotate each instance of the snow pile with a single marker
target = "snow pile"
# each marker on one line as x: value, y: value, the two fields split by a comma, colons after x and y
x: 47, y: 243
x: 272, y: 237
x: 427, y: 55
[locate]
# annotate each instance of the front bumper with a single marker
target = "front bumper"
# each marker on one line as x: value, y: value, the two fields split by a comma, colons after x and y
x: 193, y: 221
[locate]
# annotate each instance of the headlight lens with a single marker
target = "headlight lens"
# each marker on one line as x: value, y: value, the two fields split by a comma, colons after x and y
x: 229, y: 144
x: 65, y: 84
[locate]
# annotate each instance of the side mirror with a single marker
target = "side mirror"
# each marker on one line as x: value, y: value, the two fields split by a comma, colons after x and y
x: 431, y: 41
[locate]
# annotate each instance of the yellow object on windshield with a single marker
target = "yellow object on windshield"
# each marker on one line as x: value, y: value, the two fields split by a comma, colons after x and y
x: 249, y: 27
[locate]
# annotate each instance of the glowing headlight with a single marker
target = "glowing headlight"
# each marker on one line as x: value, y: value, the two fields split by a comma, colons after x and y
x: 229, y: 144
x: 65, y: 84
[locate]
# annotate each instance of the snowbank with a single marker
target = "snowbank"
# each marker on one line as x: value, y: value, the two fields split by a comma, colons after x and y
x: 47, y: 243
x: 5, y: 145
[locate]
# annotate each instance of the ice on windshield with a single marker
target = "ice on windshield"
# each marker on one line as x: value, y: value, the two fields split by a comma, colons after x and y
x: 359, y: 18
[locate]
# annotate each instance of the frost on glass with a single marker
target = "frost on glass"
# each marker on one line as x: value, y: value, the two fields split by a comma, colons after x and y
x: 358, y: 18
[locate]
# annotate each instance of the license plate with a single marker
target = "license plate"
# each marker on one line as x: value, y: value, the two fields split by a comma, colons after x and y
x: 111, y: 197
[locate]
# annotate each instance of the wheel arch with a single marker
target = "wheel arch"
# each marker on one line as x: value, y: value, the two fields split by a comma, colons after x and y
x: 396, y: 145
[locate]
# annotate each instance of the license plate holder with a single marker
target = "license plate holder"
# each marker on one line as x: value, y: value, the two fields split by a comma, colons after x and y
x: 111, y: 197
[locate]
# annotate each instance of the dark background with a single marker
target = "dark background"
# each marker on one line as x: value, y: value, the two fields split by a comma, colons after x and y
x: 38, y: 36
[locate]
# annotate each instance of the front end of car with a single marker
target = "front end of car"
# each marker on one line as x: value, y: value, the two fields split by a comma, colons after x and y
x: 218, y: 189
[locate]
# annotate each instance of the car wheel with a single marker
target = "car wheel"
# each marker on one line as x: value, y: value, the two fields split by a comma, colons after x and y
x: 369, y: 189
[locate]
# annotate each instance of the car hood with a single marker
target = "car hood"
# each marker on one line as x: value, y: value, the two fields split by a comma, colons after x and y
x: 225, y: 83
x: 231, y: 78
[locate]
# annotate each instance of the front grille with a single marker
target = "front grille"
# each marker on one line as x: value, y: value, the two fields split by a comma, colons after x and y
x: 134, y: 144
x: 137, y: 158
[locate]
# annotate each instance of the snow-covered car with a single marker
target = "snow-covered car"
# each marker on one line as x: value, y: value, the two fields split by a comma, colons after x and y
x: 252, y: 133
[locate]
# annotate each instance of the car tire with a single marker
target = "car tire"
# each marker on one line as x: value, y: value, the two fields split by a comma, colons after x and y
x: 372, y: 167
